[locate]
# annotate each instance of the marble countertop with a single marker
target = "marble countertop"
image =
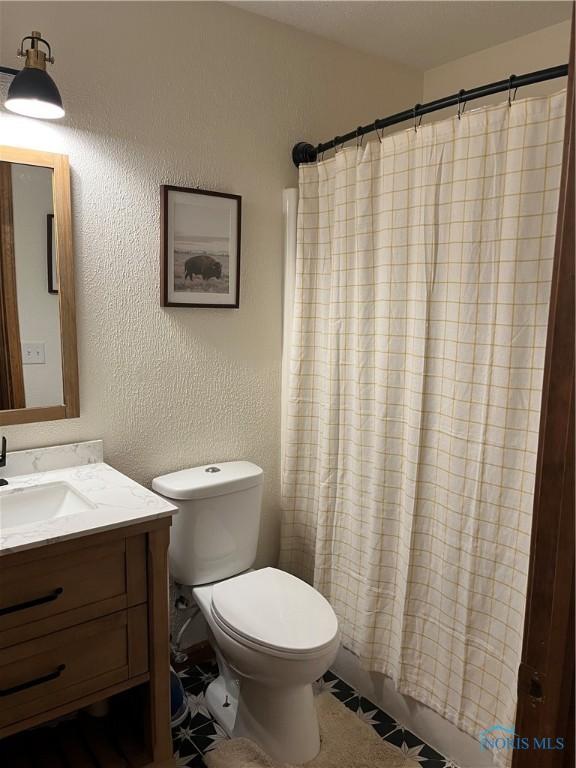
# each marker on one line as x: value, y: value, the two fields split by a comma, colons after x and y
x: 118, y: 501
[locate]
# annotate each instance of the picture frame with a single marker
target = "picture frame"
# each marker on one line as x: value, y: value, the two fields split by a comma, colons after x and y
x: 200, y: 248
x: 51, y: 261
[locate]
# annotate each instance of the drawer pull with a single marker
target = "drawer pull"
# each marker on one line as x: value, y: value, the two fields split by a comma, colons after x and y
x: 32, y: 603
x: 31, y: 683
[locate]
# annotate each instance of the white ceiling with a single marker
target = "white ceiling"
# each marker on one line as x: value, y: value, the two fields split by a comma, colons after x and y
x: 421, y: 34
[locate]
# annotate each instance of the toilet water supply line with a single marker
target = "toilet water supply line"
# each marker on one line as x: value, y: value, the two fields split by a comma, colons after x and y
x: 182, y: 605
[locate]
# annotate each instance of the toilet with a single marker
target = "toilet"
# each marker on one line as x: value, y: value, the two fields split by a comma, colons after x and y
x: 273, y: 634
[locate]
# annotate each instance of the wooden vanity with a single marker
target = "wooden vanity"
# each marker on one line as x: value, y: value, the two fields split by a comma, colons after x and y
x: 83, y: 569
x: 83, y: 621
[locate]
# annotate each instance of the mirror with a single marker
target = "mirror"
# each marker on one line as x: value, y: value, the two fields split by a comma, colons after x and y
x: 38, y: 363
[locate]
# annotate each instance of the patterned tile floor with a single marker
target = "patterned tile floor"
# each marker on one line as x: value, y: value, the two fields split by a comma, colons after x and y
x: 199, y: 733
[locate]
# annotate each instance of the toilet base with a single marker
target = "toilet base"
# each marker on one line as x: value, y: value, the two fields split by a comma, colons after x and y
x: 282, y: 720
x: 222, y: 703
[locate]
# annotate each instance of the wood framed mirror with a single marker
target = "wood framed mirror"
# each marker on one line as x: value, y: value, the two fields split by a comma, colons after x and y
x: 38, y: 351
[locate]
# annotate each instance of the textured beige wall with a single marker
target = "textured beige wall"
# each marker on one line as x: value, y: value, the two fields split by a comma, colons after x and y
x: 190, y: 94
x: 539, y: 50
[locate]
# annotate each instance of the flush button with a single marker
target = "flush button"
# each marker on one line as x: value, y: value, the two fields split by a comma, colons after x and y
x: 212, y: 469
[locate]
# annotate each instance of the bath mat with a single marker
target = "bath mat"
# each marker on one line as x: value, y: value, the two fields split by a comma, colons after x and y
x: 347, y: 742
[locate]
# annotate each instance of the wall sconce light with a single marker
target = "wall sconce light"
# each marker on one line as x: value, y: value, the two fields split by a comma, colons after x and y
x: 33, y: 93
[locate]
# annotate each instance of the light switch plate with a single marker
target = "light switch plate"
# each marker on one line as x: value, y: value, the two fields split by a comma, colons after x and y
x: 33, y: 353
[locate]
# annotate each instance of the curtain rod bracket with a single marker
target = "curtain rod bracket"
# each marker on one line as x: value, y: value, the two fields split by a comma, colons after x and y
x: 304, y: 153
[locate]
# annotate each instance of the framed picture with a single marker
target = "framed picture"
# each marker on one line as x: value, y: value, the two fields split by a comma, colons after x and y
x: 51, y: 261
x: 200, y: 251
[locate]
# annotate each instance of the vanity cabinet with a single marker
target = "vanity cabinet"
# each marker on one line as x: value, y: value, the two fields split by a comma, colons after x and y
x: 81, y: 622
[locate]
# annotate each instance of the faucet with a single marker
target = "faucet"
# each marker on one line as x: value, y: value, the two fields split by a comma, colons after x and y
x: 3, y: 460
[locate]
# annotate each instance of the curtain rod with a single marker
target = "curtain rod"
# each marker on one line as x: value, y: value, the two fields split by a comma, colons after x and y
x: 307, y: 153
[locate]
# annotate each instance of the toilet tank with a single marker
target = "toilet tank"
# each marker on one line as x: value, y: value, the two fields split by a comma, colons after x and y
x: 214, y: 535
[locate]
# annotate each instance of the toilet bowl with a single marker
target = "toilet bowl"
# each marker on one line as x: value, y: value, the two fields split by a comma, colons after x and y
x: 275, y: 636
x: 272, y: 633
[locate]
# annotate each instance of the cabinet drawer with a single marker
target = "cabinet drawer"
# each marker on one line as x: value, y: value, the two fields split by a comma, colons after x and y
x: 53, y: 592
x: 50, y: 671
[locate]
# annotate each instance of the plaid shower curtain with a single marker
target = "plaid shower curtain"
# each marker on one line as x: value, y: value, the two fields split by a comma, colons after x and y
x: 412, y: 409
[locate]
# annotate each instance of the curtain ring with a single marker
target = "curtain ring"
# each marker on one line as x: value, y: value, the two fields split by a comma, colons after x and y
x: 416, y: 125
x: 359, y: 137
x: 377, y: 134
x: 461, y: 104
x: 336, y: 141
x: 510, y: 98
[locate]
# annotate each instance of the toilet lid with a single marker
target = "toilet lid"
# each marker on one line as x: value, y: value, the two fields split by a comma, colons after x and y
x: 275, y: 609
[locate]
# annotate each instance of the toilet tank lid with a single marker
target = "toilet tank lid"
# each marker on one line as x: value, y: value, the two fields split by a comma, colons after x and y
x: 209, y: 480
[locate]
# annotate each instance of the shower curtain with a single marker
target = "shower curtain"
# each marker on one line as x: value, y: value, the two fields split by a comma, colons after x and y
x: 413, y: 397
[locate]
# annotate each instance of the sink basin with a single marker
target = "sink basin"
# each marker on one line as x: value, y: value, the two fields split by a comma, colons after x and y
x: 40, y: 503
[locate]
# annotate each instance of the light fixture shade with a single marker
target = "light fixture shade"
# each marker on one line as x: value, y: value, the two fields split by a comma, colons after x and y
x: 33, y: 93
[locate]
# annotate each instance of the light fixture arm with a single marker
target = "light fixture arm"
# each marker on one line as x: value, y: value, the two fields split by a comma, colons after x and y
x: 35, y: 57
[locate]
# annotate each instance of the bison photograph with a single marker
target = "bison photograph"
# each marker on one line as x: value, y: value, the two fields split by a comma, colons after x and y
x: 200, y: 248
x: 200, y: 271
x: 204, y: 265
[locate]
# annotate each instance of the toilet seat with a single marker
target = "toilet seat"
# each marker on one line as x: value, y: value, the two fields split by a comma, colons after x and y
x: 274, y: 612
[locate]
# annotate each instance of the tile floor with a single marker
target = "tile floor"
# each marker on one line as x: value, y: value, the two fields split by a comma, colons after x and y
x: 199, y: 733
